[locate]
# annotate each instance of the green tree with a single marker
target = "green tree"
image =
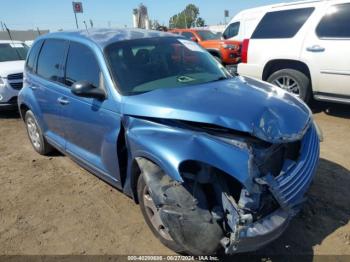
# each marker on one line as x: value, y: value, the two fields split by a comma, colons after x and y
x: 187, y: 18
x: 200, y: 22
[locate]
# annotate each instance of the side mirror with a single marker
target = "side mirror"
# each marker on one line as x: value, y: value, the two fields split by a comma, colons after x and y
x: 194, y: 39
x: 86, y: 89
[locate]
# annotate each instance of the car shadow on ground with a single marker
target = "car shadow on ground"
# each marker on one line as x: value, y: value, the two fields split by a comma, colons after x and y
x: 9, y: 114
x: 332, y: 109
x: 326, y: 210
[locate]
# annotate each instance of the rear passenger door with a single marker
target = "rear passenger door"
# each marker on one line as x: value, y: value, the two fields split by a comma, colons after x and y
x: 327, y: 51
x: 91, y: 127
x: 47, y: 86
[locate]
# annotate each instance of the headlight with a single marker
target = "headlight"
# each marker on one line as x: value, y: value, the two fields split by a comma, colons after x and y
x: 2, y: 82
x: 318, y: 131
x: 229, y: 46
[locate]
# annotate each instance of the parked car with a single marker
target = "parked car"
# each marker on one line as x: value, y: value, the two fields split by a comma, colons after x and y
x: 12, y: 58
x: 227, y: 52
x: 244, y: 23
x: 215, y: 161
x: 306, y: 49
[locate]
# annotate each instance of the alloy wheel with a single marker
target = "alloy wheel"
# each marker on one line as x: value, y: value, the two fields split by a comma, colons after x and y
x: 153, y: 214
x: 33, y: 132
x: 288, y: 83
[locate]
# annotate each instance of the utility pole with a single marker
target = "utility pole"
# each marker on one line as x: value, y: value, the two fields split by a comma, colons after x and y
x: 76, y: 20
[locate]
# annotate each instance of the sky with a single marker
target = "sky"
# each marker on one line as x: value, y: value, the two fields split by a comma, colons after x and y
x: 58, y: 14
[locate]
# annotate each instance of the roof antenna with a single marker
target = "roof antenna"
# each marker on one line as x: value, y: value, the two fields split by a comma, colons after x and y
x: 38, y: 30
x: 86, y: 27
x: 13, y: 44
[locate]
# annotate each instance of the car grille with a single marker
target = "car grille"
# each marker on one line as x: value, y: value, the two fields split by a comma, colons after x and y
x: 17, y: 85
x: 15, y: 76
x: 291, y: 186
x: 15, y: 80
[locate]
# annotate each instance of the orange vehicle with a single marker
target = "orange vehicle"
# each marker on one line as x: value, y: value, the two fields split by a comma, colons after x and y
x: 227, y: 51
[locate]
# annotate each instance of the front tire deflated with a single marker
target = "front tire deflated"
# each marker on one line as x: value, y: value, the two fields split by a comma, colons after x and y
x: 182, y: 209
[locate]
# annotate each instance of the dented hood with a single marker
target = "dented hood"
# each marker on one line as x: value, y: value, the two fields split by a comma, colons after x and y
x: 241, y: 104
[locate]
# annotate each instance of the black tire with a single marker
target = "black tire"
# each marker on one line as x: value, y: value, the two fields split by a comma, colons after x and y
x: 39, y: 144
x: 183, y: 213
x: 171, y: 244
x: 300, y: 78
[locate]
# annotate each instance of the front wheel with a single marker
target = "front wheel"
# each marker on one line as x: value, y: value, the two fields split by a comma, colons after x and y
x: 151, y: 214
x: 178, y: 214
x: 292, y: 81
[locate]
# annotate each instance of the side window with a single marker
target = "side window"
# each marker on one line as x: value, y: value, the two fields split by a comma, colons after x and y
x: 188, y: 35
x: 232, y: 30
x: 30, y: 65
x: 282, y: 24
x: 335, y: 23
x: 50, y: 59
x: 82, y: 65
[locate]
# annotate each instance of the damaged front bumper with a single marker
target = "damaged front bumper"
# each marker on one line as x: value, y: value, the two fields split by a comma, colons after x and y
x: 288, y: 189
x: 257, y: 234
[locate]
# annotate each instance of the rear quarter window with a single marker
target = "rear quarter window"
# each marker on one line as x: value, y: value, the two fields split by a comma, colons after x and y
x: 232, y: 30
x: 282, y: 24
x: 335, y: 23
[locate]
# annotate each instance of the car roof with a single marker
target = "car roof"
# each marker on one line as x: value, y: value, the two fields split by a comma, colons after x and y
x: 103, y: 37
x: 266, y: 8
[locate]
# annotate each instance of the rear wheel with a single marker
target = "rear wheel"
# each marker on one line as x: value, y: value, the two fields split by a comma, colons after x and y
x: 35, y: 135
x: 292, y: 81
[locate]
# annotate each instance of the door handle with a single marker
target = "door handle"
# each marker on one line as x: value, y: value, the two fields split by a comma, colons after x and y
x: 315, y: 48
x: 63, y: 101
x: 33, y: 87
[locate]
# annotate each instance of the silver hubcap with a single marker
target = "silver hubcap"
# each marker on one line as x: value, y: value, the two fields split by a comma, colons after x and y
x: 153, y: 215
x: 288, y: 83
x: 33, y: 133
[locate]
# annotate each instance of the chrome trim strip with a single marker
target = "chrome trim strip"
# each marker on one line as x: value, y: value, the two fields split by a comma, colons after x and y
x: 332, y: 99
x: 329, y: 72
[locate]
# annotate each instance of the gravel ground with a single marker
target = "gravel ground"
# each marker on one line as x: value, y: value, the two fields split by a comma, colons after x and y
x: 49, y: 205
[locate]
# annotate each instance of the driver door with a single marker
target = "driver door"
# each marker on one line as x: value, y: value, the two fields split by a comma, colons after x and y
x: 91, y: 125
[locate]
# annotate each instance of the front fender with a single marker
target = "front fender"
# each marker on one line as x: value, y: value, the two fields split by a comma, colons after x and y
x: 169, y: 146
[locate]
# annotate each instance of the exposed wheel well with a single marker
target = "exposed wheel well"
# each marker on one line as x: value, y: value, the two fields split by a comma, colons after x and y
x: 275, y: 65
x: 23, y: 109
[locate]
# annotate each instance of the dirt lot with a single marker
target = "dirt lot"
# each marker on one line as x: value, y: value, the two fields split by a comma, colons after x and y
x: 49, y: 205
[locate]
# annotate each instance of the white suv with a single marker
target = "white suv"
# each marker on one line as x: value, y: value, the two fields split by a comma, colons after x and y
x: 303, y: 47
x: 12, y: 59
